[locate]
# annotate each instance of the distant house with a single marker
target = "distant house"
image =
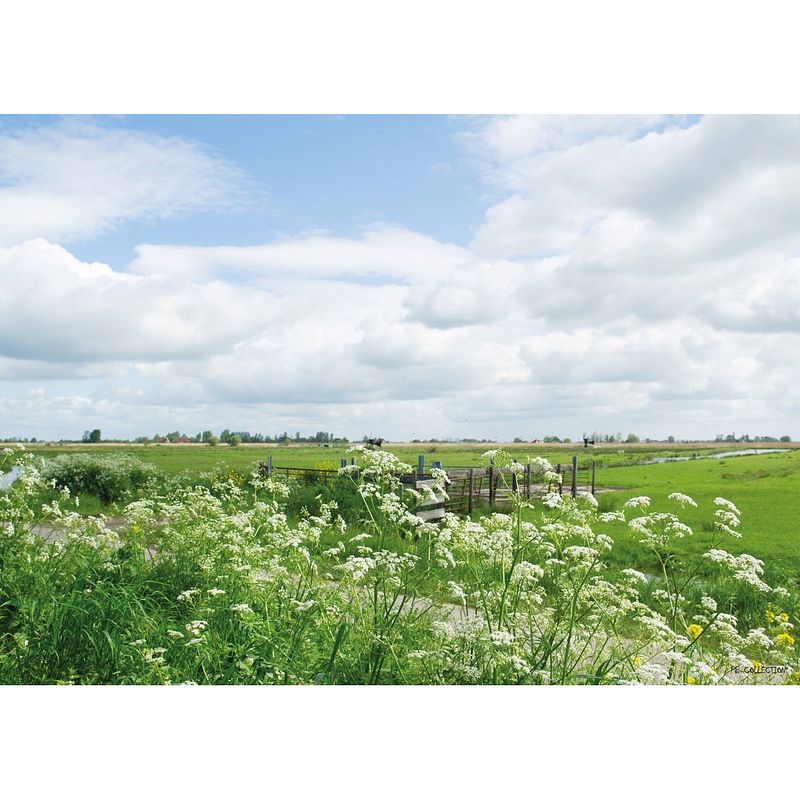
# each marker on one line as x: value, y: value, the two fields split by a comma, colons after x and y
x: 185, y: 439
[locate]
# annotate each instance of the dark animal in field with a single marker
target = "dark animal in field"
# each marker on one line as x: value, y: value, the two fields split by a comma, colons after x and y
x: 375, y: 442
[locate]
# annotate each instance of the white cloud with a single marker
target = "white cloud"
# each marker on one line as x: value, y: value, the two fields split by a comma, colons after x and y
x: 55, y: 308
x: 634, y: 274
x: 78, y: 179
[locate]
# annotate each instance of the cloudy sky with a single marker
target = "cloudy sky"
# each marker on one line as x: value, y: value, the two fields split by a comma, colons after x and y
x: 400, y: 276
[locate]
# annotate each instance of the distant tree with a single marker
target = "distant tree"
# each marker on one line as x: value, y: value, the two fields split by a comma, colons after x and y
x: 517, y: 440
x: 212, y: 441
x: 671, y: 439
x: 225, y: 435
x: 567, y: 440
x: 234, y: 440
x: 632, y: 439
x: 173, y: 436
x: 92, y: 436
x: 206, y: 435
x: 786, y: 438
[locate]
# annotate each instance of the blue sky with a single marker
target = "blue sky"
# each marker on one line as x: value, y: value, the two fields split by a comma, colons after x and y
x: 307, y: 173
x: 400, y: 276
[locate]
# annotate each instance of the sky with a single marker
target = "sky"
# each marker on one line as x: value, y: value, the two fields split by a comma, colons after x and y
x: 400, y: 276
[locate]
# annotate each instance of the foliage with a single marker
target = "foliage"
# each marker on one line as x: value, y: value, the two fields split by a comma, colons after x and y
x: 110, y: 478
x: 218, y: 584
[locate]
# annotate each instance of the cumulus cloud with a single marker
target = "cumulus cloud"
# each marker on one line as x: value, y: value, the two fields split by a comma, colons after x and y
x: 55, y: 308
x: 631, y: 273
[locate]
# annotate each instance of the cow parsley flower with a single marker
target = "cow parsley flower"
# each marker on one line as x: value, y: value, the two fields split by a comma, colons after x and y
x: 682, y: 500
x: 502, y: 638
x: 552, y: 500
x: 709, y: 604
x: 635, y: 575
x: 637, y: 502
x: 726, y: 504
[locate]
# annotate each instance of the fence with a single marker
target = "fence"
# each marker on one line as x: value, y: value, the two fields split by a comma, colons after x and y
x: 469, y: 487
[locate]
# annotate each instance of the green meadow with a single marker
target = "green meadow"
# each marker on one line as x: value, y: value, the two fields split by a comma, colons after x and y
x: 766, y: 488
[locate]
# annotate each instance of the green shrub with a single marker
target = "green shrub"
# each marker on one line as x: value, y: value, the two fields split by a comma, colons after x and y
x: 110, y: 478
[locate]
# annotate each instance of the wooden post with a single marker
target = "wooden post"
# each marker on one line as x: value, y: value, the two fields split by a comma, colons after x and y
x: 514, y: 482
x: 574, y: 491
x: 269, y: 466
x: 471, y: 490
x: 436, y: 464
x: 344, y: 463
x: 561, y: 482
x: 420, y: 465
x: 527, y: 481
x: 491, y: 486
x: 594, y: 471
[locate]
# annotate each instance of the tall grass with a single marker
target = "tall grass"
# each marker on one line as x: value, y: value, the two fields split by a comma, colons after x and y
x: 228, y: 583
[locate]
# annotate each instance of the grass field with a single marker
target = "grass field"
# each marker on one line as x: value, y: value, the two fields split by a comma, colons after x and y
x: 765, y: 487
x: 253, y: 581
x: 178, y: 457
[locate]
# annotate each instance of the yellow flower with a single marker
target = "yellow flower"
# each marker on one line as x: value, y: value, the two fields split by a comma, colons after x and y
x: 694, y: 631
x: 756, y: 665
x: 770, y: 616
x: 637, y: 661
x: 691, y: 681
x: 785, y: 640
x: 782, y: 617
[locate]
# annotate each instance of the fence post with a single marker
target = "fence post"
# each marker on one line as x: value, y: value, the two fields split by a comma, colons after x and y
x: 594, y: 471
x: 574, y: 491
x: 527, y: 481
x: 514, y: 482
x: 561, y: 482
x: 269, y: 466
x: 471, y: 489
x: 436, y: 464
x: 491, y: 486
x: 420, y: 465
x: 344, y: 463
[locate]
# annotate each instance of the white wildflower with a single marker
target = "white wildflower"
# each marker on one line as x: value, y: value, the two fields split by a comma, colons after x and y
x: 682, y: 500
x: 709, y: 604
x: 637, y: 502
x: 635, y: 575
x: 502, y: 638
x: 721, y: 501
